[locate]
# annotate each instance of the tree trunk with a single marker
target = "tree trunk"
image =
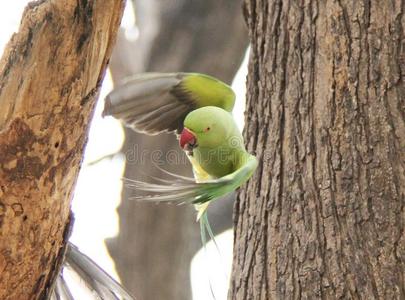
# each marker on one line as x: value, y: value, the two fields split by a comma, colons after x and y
x: 157, y: 242
x: 323, y: 217
x: 50, y: 75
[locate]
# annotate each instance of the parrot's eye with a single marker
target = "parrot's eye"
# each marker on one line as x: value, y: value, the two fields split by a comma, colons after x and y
x: 207, y: 129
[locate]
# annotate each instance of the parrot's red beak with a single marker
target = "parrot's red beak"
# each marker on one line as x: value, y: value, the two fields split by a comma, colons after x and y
x: 187, y: 140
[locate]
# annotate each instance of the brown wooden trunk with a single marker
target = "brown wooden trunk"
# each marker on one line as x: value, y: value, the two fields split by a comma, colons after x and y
x: 323, y: 217
x: 50, y: 75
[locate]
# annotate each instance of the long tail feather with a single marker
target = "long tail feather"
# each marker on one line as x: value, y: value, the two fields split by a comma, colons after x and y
x: 204, y: 243
x: 204, y: 219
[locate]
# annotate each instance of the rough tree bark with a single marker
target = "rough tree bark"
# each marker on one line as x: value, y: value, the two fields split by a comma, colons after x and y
x: 157, y: 242
x: 323, y: 217
x: 50, y: 75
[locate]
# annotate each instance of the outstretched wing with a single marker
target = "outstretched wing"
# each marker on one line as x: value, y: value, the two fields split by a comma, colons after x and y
x: 186, y: 190
x: 152, y: 103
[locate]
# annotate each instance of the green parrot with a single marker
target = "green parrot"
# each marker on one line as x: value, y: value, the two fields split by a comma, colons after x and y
x: 198, y: 108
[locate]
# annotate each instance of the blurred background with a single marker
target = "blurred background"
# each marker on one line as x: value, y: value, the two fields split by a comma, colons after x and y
x: 155, y: 250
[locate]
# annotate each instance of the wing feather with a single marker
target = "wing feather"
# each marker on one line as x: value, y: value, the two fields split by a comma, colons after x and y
x: 182, y: 189
x: 152, y: 103
x: 95, y: 278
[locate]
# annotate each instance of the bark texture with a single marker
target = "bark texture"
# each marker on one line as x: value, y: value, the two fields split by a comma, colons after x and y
x: 323, y: 217
x: 157, y: 242
x: 50, y: 75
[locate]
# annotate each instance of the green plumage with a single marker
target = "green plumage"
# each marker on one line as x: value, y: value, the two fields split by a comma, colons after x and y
x: 153, y: 103
x: 157, y: 102
x: 209, y: 91
x: 220, y: 149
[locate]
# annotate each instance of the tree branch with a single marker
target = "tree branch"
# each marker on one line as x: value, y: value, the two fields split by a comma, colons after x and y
x: 50, y: 75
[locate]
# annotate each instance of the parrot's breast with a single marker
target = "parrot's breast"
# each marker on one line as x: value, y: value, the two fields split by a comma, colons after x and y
x: 199, y: 173
x: 209, y: 163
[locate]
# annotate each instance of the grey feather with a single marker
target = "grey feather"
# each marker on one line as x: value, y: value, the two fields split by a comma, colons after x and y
x: 150, y: 103
x: 178, y: 189
x: 62, y: 291
x: 102, y: 285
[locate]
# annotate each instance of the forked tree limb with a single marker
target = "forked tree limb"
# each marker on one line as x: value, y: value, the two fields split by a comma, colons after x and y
x: 50, y: 76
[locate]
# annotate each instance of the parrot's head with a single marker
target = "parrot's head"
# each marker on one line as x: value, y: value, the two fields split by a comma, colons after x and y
x: 206, y: 127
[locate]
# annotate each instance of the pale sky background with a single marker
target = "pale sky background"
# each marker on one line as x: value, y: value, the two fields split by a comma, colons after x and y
x: 98, y: 189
